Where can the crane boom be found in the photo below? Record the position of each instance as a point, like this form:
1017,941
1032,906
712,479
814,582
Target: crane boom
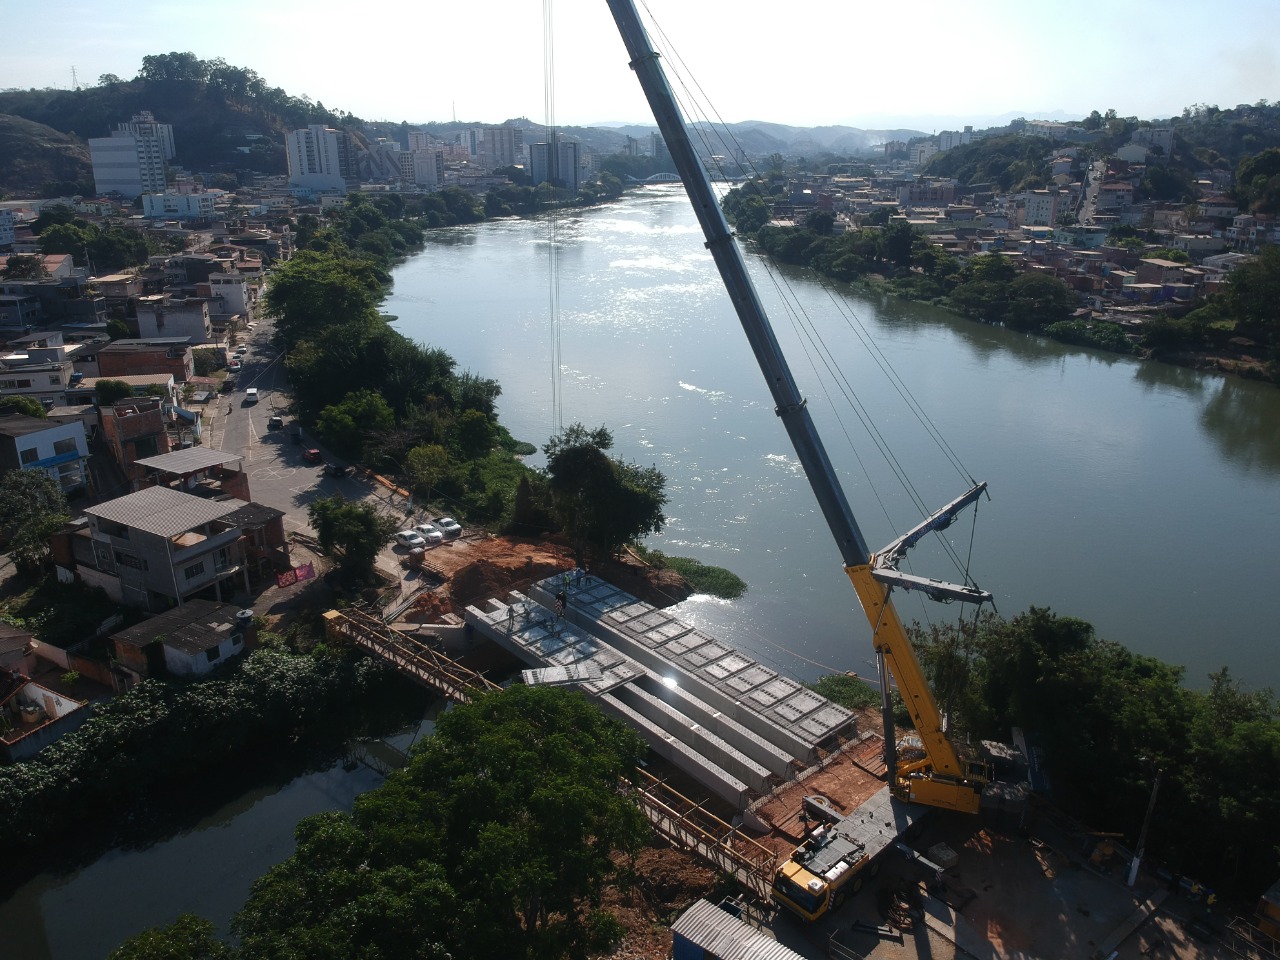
941,779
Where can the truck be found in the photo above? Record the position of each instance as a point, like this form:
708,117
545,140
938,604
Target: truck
837,856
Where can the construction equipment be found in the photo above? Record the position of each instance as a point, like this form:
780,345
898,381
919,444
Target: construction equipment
821,872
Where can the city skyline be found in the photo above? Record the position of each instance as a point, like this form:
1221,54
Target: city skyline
944,66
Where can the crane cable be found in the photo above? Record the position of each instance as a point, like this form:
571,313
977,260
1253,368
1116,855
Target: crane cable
553,220
811,339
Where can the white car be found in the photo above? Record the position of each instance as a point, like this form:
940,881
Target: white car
409,538
448,526
429,532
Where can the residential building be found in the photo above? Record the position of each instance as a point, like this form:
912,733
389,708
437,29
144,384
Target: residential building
197,470
1041,207
428,168
420,140
158,547
189,640
164,316
558,166
7,223
32,716
498,148
59,449
134,430
197,206
949,139
320,158
144,124
232,291
39,367
122,358
921,151
131,161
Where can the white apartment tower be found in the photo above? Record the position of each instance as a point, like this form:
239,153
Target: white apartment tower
319,158
144,124
127,163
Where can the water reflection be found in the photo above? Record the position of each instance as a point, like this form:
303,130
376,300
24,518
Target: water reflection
1243,421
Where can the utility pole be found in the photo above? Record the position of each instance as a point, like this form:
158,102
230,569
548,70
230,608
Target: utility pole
1146,825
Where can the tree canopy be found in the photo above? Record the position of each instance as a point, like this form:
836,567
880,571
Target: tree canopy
353,531
601,502
32,509
495,841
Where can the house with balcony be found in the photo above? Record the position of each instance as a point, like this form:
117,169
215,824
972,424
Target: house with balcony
58,449
159,547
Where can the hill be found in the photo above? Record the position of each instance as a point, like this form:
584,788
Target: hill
36,159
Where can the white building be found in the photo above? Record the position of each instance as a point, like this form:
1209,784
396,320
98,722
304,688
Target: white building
58,449
127,163
144,124
922,150
319,158
948,139
193,205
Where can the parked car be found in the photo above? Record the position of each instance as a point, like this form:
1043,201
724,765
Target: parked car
233,365
228,384
275,423
336,469
429,532
407,538
241,350
311,455
449,526
251,395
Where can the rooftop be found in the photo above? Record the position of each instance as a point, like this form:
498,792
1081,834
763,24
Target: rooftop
194,627
20,425
162,511
189,460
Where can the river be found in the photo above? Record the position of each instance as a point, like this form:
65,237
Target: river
1143,498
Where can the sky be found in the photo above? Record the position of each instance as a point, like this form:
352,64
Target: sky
928,66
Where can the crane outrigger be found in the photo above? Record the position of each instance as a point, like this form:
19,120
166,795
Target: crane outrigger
941,776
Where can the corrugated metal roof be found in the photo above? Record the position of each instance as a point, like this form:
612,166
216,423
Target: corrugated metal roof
162,511
188,461
725,936
192,628
559,676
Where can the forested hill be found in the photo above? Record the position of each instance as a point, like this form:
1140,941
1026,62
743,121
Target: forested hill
33,156
218,111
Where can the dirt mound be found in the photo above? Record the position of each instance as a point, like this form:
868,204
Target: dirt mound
476,569
672,879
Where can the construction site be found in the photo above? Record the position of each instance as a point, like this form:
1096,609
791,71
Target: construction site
749,769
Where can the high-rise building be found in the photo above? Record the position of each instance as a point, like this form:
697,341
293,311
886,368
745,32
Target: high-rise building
144,124
558,166
498,149
419,140
130,162
319,158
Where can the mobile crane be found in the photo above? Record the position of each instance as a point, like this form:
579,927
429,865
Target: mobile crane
837,855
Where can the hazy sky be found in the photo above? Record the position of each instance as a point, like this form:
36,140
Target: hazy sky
925,64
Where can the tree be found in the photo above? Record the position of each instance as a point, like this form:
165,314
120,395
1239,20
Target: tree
188,938
108,80
494,842
24,267
16,403
352,531
314,291
107,392
426,465
32,509
348,425
1036,300
118,329
601,503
